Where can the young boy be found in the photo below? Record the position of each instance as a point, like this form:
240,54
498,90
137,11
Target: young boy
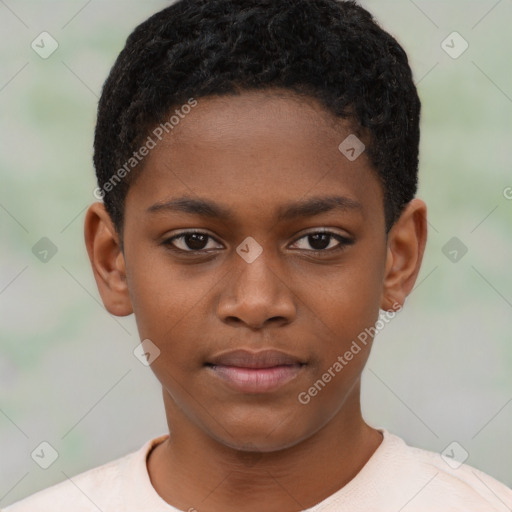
257,161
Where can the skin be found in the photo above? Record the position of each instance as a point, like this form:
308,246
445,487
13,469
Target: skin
254,153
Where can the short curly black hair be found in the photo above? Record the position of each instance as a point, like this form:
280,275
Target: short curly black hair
331,50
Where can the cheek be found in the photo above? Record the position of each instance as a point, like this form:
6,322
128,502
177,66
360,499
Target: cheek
171,309
349,301
346,307
161,295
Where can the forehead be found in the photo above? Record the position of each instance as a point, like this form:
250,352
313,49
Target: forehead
254,109
256,149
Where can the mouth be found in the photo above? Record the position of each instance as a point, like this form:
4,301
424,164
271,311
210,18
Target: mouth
255,372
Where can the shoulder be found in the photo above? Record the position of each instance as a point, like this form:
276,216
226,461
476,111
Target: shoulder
442,483
100,488
81,493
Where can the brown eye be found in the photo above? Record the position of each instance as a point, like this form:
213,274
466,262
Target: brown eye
190,241
324,242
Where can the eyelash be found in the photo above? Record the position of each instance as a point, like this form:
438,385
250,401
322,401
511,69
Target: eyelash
343,242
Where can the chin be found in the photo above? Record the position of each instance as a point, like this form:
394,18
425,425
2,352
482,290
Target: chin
263,439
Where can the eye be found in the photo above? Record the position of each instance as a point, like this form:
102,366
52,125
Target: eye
198,241
321,242
190,241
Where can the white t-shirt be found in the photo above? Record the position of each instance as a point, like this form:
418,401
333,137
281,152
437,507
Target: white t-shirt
396,478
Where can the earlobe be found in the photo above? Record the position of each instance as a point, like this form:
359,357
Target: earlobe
406,246
107,260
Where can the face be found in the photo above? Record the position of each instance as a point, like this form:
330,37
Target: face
255,254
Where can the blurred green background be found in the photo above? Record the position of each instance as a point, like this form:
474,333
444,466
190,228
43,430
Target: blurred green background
439,372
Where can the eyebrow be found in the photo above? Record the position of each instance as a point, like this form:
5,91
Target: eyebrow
300,209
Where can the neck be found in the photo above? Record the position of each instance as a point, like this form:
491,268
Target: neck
191,470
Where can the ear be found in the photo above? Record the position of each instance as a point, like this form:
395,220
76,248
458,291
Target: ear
107,260
406,245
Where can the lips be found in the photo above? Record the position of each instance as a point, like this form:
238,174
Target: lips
255,372
262,359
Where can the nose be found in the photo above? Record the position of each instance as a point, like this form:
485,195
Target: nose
257,294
